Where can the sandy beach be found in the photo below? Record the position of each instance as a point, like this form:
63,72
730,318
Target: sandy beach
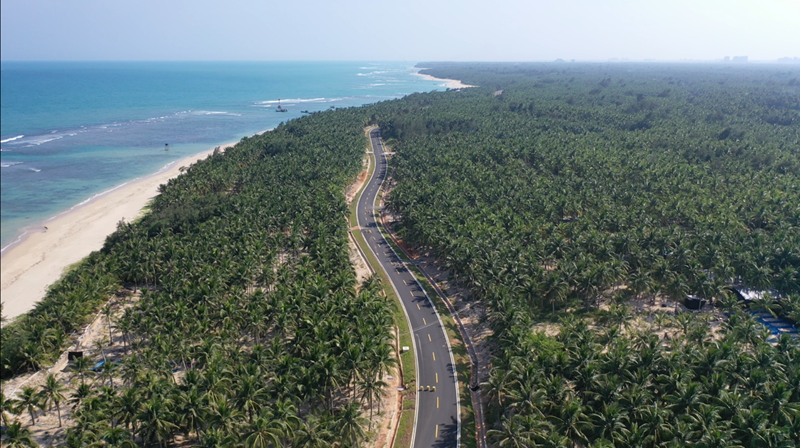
449,83
29,267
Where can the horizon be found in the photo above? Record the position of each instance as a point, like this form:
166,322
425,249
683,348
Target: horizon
684,30
748,60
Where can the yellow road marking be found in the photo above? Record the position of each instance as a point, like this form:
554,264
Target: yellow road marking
418,307
437,431
437,404
424,321
404,282
429,338
412,293
434,356
437,377
373,238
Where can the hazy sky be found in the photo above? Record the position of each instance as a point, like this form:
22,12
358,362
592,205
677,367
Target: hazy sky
417,30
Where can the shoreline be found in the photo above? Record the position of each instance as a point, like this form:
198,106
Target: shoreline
38,257
449,83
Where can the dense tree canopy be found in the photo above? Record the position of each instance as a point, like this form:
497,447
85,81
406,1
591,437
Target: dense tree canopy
556,186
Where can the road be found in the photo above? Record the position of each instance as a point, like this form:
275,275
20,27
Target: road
437,422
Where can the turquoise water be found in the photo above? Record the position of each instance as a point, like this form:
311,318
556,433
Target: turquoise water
71,130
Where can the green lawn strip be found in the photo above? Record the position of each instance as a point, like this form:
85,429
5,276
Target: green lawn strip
404,428
396,248
460,356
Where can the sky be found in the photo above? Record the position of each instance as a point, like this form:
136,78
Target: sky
407,30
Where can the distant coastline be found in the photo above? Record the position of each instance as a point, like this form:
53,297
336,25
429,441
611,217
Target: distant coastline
38,257
449,83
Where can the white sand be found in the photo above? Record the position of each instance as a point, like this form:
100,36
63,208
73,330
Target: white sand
449,83
31,266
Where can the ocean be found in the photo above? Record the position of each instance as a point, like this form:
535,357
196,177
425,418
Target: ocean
72,130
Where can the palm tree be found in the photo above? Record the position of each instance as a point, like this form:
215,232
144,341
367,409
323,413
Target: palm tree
5,405
53,393
513,434
574,422
117,437
79,395
29,400
127,407
350,425
156,420
266,432
611,419
191,407
80,366
15,436
499,382
312,434
371,389
222,415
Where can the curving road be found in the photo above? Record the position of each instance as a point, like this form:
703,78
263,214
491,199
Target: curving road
437,422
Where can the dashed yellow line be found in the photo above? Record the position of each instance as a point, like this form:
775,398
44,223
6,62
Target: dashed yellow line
429,338
434,356
437,377
424,321
418,307
437,431
437,407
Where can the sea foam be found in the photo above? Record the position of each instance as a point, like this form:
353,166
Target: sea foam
12,139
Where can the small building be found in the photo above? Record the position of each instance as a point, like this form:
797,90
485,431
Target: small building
694,302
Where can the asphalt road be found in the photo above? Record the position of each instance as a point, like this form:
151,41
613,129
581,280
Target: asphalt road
437,420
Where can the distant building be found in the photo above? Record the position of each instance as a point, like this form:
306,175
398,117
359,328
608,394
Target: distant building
726,59
739,59
789,60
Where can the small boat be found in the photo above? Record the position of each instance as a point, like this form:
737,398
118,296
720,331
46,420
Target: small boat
280,108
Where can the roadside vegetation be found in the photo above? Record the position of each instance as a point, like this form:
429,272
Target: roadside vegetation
559,193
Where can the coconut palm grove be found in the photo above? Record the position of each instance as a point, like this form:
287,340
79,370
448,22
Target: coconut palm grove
579,204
